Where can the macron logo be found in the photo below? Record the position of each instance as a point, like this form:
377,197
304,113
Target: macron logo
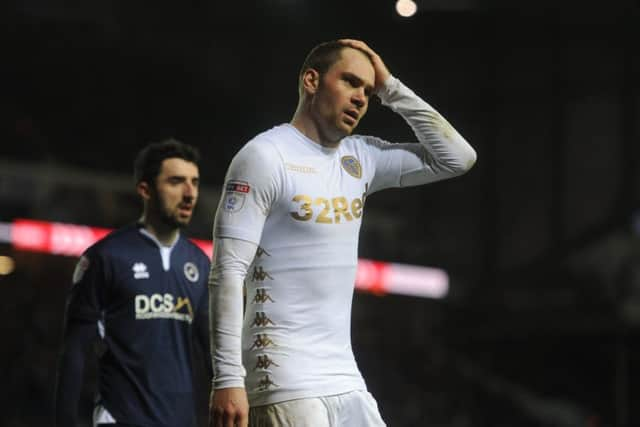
140,271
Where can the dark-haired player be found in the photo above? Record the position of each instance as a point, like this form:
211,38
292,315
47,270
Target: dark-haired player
140,296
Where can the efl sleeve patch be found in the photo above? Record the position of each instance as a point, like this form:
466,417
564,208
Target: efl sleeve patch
238,187
235,195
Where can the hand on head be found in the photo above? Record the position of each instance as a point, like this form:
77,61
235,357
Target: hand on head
381,70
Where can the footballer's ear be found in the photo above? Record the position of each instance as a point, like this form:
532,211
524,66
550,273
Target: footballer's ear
310,81
144,190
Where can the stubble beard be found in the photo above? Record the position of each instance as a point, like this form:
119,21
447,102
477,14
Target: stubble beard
170,218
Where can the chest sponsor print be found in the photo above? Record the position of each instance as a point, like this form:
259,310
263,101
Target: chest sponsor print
322,210
163,306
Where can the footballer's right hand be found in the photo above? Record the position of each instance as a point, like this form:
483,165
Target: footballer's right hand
229,407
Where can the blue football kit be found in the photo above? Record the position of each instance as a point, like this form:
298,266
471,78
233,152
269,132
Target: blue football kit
143,303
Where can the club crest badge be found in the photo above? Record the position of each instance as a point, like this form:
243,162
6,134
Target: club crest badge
191,272
352,166
235,195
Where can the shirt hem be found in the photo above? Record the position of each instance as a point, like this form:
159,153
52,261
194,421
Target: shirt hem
284,396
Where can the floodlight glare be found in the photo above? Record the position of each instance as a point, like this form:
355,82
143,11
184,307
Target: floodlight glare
406,8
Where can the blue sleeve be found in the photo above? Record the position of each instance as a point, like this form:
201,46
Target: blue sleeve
80,331
202,322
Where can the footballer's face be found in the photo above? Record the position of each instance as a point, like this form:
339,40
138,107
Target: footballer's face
342,96
175,193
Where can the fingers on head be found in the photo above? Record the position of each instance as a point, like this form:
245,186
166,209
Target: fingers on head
354,43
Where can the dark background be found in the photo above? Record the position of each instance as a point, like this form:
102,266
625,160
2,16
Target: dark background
540,237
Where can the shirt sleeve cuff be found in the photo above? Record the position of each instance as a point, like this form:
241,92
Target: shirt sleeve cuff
230,383
387,89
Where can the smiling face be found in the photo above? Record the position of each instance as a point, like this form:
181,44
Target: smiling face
341,97
173,196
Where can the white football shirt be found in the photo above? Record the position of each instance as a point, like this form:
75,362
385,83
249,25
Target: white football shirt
302,204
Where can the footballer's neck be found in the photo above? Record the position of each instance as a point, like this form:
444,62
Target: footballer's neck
165,234
310,127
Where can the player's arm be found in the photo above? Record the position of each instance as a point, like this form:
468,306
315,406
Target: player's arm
201,327
80,332
229,405
250,189
78,336
441,153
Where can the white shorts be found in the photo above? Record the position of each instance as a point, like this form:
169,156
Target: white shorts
353,409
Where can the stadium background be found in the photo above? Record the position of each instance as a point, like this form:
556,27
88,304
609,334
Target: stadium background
541,239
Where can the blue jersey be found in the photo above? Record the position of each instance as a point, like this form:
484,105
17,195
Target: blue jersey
144,302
